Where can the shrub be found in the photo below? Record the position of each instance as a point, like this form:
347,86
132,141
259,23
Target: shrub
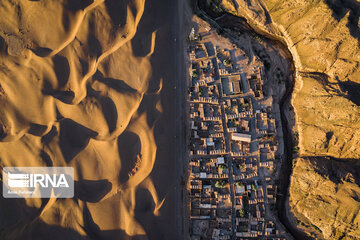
220,184
222,166
194,74
242,212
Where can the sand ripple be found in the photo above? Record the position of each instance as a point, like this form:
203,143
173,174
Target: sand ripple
75,92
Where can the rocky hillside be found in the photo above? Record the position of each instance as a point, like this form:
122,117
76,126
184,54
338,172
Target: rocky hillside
323,37
325,197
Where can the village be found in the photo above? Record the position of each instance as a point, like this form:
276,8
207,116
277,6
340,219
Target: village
233,145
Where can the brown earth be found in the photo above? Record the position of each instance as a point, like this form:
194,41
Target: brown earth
324,193
323,37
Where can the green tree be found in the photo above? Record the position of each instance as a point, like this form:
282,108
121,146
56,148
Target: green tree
227,62
239,184
222,166
241,166
194,73
220,184
241,212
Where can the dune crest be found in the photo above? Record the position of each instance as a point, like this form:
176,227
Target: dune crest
77,88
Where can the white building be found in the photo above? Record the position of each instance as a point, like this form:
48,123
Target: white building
241,137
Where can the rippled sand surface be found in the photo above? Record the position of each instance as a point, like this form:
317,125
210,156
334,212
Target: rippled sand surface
90,84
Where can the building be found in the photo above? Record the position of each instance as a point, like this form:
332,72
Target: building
241,137
231,84
210,142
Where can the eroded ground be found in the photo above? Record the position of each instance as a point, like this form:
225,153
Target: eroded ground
323,37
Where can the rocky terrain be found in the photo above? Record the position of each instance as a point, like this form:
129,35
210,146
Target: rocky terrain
323,38
324,196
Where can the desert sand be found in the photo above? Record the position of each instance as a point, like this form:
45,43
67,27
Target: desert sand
93,85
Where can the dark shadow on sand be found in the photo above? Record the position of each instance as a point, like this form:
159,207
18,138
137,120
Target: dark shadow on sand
73,138
91,190
116,84
117,11
129,145
94,232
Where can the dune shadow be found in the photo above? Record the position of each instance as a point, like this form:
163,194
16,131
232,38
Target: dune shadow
13,210
144,214
64,96
149,100
108,107
116,84
129,145
117,11
46,158
62,70
94,231
20,222
141,42
42,51
76,5
62,73
37,129
42,231
39,230
65,21
73,138
46,139
94,46
110,112
92,190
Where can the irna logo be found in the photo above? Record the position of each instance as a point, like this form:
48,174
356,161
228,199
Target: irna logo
38,182
16,180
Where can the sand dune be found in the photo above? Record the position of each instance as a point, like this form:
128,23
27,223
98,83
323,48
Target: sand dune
86,84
